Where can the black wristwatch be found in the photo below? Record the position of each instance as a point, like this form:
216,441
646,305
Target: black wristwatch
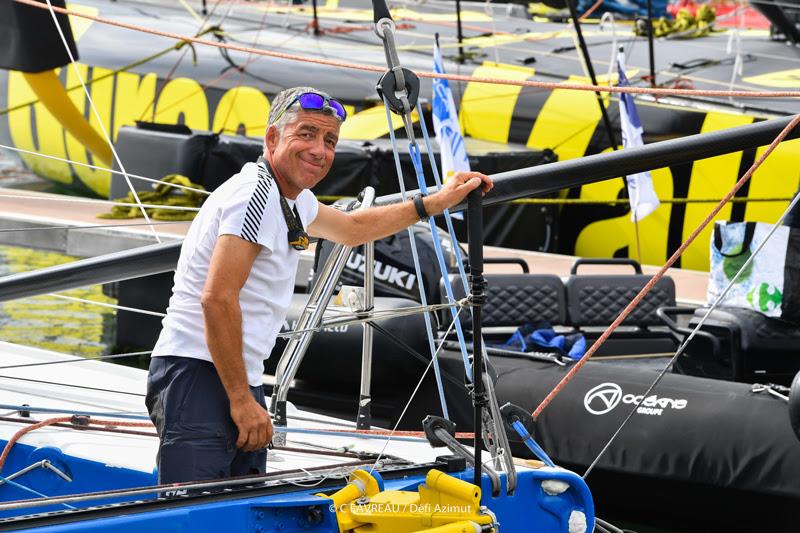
419,205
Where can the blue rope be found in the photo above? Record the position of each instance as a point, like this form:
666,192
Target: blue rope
30,490
416,158
531,444
447,218
423,298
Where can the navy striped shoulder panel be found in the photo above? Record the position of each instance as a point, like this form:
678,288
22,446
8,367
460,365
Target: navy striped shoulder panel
256,207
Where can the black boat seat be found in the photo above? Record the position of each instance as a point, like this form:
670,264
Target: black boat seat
597,299
514,299
748,347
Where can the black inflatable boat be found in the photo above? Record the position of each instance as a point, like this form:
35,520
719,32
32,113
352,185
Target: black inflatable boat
707,447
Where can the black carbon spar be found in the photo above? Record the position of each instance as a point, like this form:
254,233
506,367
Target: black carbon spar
522,183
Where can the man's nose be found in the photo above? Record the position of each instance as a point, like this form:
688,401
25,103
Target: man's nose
318,148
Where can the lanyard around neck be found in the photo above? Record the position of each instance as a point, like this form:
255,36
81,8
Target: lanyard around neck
297,236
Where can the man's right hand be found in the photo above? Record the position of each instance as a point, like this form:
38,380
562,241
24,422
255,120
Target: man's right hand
253,422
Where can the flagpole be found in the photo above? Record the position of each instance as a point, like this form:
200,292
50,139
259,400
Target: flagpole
650,43
590,69
460,32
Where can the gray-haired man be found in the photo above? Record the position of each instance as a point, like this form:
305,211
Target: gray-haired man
233,285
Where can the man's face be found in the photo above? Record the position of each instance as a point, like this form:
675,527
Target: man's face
303,153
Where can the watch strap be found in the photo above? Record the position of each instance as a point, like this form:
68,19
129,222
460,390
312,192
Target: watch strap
419,205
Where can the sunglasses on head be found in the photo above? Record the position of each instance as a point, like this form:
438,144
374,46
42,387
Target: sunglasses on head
315,102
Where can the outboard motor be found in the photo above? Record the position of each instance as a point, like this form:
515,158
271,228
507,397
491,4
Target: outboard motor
794,405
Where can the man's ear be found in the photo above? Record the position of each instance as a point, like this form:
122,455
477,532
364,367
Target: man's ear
271,138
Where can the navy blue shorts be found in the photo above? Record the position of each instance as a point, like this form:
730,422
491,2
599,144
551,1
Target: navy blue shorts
190,409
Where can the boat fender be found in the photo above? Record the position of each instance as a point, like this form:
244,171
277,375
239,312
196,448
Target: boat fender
794,405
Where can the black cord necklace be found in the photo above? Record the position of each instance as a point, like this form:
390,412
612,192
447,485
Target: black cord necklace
297,236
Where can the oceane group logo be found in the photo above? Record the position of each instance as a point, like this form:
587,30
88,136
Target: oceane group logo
602,398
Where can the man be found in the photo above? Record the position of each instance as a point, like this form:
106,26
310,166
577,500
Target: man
234,282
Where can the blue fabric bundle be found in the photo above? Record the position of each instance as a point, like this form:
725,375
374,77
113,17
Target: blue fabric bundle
540,336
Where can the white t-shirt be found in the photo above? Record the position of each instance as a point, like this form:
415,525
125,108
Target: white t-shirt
248,206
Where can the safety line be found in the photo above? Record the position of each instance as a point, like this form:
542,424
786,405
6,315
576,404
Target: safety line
693,333
111,306
121,414
94,201
77,359
95,167
99,120
452,77
650,284
60,419
72,385
95,226
25,488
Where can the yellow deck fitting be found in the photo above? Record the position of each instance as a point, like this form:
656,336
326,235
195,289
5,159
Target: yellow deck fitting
444,504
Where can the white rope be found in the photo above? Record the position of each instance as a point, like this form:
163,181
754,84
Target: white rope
99,120
608,18
111,306
694,331
104,202
71,162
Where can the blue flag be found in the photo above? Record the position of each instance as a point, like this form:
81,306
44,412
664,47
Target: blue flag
643,196
445,123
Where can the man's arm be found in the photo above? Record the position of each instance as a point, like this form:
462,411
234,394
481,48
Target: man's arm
358,227
230,265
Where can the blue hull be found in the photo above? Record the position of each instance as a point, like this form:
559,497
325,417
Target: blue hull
276,506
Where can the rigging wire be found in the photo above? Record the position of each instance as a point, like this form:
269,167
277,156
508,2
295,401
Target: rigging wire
418,270
73,386
95,167
95,226
110,306
71,199
414,392
693,333
77,359
100,120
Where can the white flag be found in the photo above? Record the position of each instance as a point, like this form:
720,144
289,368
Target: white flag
643,196
445,123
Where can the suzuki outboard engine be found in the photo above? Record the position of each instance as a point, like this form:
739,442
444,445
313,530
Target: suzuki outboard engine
394,264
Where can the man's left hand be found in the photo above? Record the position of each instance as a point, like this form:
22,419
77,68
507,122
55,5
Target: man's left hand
457,187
